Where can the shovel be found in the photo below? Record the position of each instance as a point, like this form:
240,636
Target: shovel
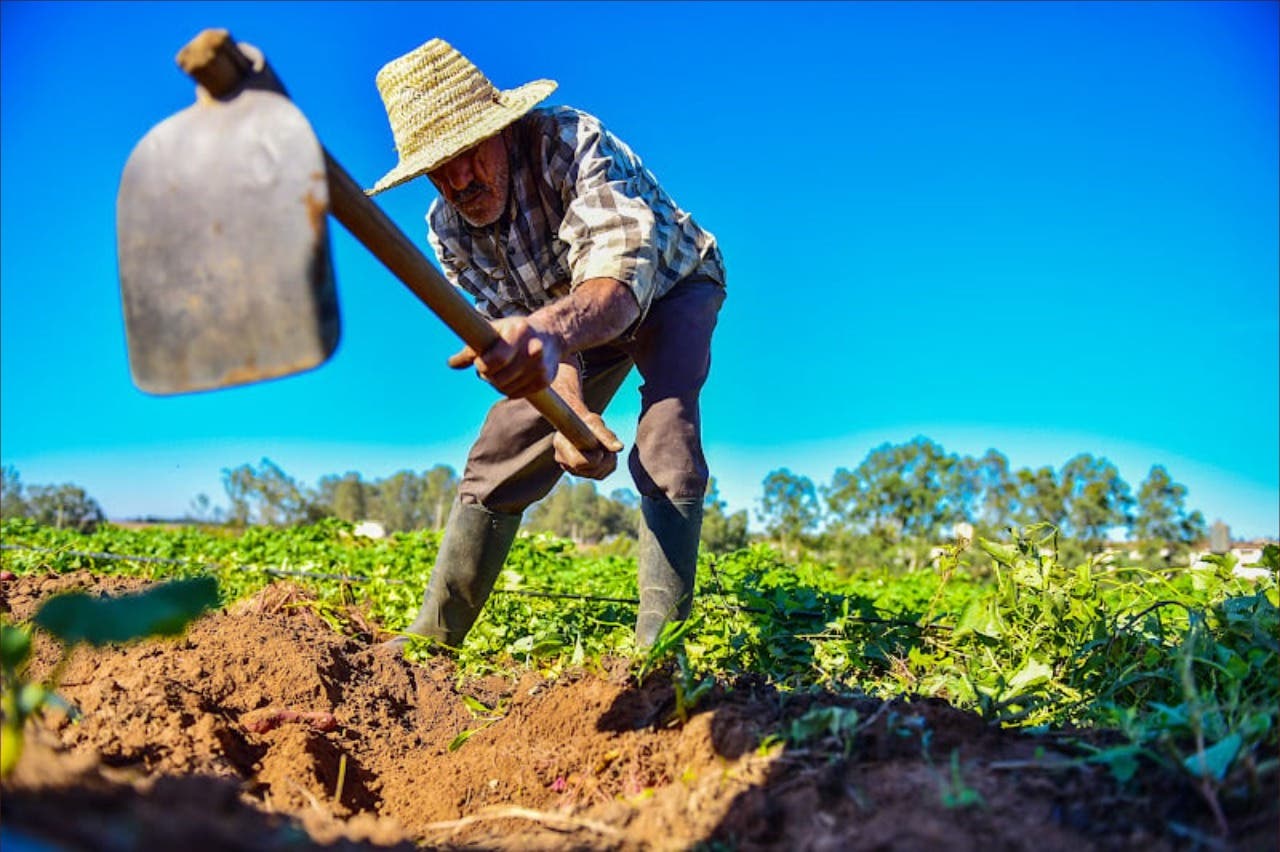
223,242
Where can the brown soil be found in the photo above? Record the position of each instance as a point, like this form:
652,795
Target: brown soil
165,756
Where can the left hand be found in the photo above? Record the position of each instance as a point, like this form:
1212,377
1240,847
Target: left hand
593,464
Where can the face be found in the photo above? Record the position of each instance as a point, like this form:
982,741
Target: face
475,182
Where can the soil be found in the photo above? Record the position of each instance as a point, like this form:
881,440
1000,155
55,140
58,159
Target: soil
263,729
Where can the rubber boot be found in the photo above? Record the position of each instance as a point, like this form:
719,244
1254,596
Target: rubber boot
475,545
668,560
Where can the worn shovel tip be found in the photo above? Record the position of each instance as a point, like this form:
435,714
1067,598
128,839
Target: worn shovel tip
166,384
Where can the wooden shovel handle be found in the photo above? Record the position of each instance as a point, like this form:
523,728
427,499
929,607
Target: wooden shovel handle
218,64
371,226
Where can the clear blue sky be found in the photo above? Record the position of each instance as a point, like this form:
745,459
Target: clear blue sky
1048,228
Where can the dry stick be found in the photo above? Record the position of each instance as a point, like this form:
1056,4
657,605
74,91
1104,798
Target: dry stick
1049,765
304,791
555,822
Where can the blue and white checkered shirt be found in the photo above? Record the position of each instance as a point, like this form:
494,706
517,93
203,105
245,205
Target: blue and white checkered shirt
582,206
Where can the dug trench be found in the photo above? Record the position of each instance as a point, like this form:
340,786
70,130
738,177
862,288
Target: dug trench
264,729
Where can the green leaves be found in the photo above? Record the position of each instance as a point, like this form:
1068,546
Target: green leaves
163,610
488,716
15,647
1032,674
839,723
1038,639
983,618
1214,761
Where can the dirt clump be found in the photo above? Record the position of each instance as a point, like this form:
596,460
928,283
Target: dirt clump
263,729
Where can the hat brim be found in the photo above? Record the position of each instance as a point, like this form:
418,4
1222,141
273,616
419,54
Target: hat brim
510,106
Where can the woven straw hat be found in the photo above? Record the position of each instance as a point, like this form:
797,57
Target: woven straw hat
439,105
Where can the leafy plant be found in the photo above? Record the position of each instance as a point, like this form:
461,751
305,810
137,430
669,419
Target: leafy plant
1183,664
486,714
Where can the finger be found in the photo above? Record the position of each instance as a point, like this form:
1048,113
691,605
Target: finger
571,458
496,357
462,359
514,385
608,463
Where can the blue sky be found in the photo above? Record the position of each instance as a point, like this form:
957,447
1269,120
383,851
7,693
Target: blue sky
1048,228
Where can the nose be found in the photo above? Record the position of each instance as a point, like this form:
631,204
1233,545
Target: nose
457,173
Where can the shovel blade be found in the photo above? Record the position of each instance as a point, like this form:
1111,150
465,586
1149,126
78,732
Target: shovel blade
223,247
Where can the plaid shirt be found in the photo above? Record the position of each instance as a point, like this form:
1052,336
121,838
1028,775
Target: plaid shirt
581,206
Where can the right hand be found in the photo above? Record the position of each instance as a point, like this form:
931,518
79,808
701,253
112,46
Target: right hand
592,464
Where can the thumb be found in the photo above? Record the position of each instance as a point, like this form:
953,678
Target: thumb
463,358
604,433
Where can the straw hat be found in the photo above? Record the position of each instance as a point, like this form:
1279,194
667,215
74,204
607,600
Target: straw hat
439,105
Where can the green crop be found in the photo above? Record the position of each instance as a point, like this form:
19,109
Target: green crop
1182,662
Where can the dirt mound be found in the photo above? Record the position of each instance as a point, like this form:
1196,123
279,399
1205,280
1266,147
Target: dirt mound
263,729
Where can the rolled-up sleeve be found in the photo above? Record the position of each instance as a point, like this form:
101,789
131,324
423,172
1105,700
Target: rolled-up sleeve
609,225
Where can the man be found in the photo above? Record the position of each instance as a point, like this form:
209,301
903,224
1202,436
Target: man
586,267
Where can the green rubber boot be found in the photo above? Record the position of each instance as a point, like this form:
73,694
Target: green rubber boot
668,561
475,545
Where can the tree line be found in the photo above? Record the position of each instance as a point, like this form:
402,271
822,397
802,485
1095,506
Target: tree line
905,498
408,500
901,501
65,506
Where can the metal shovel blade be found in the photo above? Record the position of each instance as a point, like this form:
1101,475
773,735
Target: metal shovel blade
223,247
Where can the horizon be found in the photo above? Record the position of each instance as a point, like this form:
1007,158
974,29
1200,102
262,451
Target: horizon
1046,229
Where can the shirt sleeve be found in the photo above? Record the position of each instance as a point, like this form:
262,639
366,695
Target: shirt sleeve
609,226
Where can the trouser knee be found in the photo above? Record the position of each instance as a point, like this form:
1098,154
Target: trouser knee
667,461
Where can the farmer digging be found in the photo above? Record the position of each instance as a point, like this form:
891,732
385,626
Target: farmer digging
586,268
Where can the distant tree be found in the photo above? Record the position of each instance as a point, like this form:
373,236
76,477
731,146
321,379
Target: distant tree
721,533
1097,500
574,509
345,496
64,507
627,507
994,490
12,505
403,501
789,507
1161,523
440,483
1040,498
202,510
238,485
399,501
267,495
907,491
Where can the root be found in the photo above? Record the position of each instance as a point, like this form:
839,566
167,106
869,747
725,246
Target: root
553,821
271,720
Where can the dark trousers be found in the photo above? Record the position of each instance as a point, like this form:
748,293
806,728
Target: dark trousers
512,463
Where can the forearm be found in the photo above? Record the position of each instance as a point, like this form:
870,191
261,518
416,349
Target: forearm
596,312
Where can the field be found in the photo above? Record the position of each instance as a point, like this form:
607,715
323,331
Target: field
995,700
